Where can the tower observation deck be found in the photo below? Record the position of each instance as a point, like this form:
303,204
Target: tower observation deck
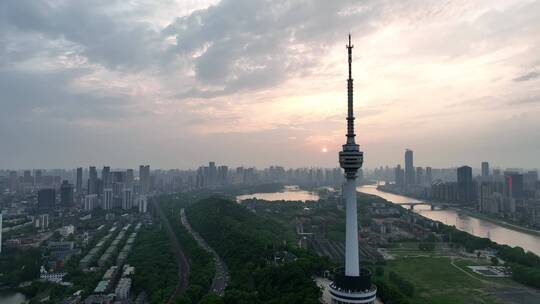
353,285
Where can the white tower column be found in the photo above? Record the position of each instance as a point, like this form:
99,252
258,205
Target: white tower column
352,266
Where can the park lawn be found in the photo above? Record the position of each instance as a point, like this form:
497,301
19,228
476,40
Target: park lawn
438,282
410,249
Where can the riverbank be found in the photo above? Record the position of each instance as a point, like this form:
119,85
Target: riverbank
498,221
476,215
474,225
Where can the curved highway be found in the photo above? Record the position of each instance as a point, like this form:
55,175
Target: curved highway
221,277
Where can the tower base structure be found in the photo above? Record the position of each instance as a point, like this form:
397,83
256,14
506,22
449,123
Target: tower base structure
358,289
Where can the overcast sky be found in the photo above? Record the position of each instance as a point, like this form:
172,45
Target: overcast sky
244,82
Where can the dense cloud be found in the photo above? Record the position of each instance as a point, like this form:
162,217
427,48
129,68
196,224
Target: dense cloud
246,44
155,78
96,31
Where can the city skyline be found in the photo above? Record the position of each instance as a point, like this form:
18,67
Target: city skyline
477,167
457,82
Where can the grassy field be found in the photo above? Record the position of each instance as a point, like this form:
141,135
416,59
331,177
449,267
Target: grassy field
411,250
437,281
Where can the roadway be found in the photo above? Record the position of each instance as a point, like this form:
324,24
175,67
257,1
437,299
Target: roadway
221,277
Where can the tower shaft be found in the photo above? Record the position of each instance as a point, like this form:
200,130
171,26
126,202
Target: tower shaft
352,263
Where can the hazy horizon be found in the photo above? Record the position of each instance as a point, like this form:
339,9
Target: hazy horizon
176,84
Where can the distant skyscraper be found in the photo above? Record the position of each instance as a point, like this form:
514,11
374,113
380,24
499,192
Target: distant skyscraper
129,177
223,173
399,176
27,177
212,174
465,185
409,167
37,177
78,184
530,180
429,175
92,180
514,184
354,285
106,176
46,199
13,180
66,194
419,175
485,169
144,178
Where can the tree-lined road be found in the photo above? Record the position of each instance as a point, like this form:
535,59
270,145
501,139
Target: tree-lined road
183,264
221,277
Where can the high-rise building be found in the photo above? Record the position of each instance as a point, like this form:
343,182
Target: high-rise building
429,176
46,198
530,180
485,169
41,221
129,177
38,177
419,175
354,284
90,202
144,178
106,177
399,175
66,194
489,196
118,192
78,184
465,185
92,180
127,202
409,167
142,204
13,180
108,199
212,174
223,175
27,177
514,184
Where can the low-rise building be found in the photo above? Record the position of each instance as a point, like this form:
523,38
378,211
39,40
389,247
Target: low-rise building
123,288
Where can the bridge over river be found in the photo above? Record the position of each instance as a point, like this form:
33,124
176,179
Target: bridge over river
432,205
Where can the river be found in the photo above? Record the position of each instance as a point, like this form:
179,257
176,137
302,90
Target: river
289,193
472,225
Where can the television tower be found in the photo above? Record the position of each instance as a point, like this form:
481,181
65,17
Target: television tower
354,284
